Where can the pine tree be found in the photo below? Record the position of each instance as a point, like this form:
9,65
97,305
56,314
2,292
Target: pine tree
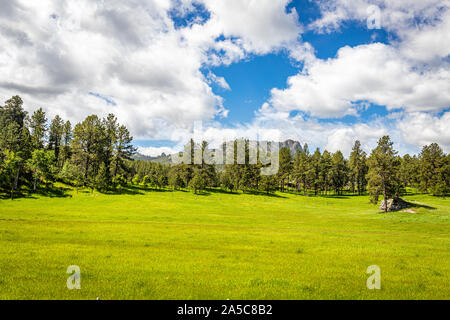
383,171
325,170
123,149
432,171
55,136
285,167
86,144
314,170
38,126
302,166
67,138
358,167
338,172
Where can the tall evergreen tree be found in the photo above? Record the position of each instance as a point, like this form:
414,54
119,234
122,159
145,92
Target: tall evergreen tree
383,171
325,170
338,171
302,166
358,167
285,167
55,136
123,149
314,170
432,170
86,144
38,126
67,138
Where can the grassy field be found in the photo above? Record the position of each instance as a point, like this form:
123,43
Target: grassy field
177,245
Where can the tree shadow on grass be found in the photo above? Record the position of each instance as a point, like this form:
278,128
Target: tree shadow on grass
135,190
202,194
53,192
123,191
335,196
262,193
50,192
251,192
419,205
218,190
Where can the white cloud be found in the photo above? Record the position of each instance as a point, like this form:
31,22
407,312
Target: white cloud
157,151
375,73
343,138
427,43
53,53
396,15
419,129
220,81
262,25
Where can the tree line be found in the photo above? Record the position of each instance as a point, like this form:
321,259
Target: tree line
97,153
35,153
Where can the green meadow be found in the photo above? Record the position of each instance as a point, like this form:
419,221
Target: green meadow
145,244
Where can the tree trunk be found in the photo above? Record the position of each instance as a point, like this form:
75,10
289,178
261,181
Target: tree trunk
384,195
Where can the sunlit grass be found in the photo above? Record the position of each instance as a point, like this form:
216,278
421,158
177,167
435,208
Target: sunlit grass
176,245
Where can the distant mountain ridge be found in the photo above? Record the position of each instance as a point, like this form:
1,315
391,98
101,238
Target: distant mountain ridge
292,145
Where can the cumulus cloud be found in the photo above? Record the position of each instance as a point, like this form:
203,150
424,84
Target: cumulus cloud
55,53
262,25
375,73
419,129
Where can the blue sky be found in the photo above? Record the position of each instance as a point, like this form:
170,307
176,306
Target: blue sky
252,79
323,72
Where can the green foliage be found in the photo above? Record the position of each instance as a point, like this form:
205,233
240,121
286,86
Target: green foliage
38,128
302,166
268,184
325,170
285,166
41,165
71,174
198,181
434,170
56,133
383,172
103,180
313,174
227,180
136,179
358,168
338,172
175,178
10,171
